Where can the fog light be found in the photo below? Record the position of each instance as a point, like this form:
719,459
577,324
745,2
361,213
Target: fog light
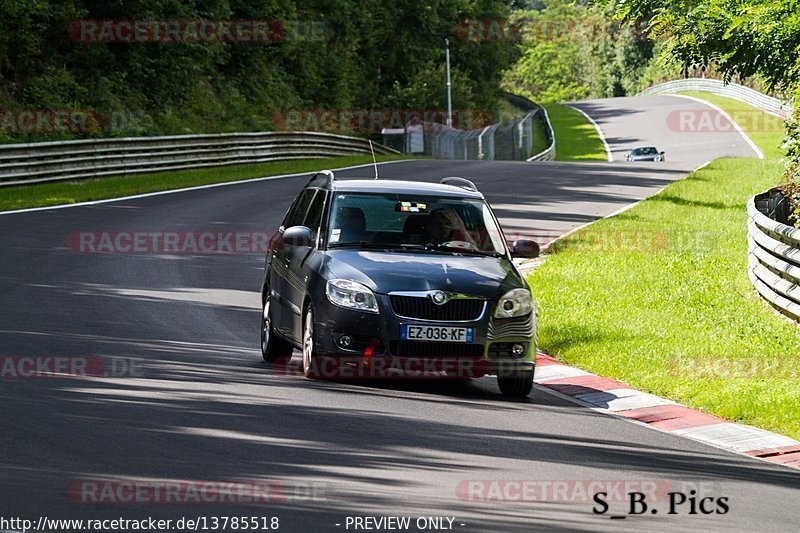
345,341
517,350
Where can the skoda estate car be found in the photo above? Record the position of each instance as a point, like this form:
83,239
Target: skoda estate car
380,277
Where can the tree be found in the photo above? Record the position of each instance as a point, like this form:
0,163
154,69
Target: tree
573,51
744,37
366,54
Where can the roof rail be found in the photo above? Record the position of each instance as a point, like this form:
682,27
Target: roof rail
323,179
459,182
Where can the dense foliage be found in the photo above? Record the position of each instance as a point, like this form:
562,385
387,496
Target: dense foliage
322,54
572,51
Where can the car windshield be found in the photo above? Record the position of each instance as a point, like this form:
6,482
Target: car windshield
409,221
650,150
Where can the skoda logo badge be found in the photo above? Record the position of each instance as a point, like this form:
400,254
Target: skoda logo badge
438,297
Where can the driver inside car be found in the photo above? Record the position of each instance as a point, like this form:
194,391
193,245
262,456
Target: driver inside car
445,226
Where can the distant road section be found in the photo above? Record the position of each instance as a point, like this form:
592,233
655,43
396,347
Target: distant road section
690,132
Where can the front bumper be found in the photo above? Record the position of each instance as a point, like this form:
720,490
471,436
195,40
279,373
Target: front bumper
379,351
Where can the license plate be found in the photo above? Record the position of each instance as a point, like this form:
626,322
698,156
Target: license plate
435,333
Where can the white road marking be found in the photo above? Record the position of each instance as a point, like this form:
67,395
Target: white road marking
623,399
599,132
736,126
548,372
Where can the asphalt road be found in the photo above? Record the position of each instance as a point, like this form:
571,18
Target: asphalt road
203,407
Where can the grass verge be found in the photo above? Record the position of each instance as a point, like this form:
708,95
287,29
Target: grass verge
659,298
69,192
576,137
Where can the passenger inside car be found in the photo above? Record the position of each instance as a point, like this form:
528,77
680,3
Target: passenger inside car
350,224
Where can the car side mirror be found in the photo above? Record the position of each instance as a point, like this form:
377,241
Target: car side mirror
297,236
662,153
525,248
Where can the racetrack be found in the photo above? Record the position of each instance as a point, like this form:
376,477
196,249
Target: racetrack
204,406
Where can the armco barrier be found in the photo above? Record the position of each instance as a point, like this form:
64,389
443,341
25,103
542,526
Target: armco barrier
69,160
731,90
549,153
774,259
510,140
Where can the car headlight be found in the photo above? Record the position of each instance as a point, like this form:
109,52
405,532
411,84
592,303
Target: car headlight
516,302
352,295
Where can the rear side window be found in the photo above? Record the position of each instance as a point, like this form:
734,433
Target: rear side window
297,213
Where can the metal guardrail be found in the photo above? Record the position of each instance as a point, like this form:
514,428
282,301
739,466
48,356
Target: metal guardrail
773,259
731,90
68,160
511,140
549,153
508,140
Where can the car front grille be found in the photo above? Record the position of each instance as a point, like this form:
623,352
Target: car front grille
455,310
511,327
435,349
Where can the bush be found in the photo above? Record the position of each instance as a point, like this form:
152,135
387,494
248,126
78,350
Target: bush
791,179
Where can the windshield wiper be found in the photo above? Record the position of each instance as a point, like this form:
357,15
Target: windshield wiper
458,249
378,246
400,246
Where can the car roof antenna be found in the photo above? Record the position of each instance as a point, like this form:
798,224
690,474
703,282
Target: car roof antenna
374,162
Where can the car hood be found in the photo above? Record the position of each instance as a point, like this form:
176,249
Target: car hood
384,272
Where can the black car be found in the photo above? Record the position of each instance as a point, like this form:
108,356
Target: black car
645,153
385,278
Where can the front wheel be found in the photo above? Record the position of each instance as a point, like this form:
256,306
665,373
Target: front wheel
517,385
272,347
310,362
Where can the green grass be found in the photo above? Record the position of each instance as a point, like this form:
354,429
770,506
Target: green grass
69,192
540,142
576,137
659,298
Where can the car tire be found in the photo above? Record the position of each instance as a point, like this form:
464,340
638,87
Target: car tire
517,385
273,348
310,360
